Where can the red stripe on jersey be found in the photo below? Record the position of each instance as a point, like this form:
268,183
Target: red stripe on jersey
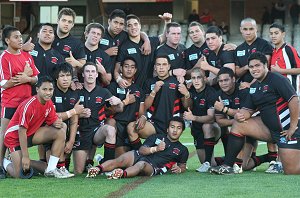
101,114
176,101
151,109
279,100
169,165
175,109
280,105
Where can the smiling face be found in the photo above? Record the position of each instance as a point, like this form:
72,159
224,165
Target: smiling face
257,69
45,92
94,36
133,27
226,82
276,36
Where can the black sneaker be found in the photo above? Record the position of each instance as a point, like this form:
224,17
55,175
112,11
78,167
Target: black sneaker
2,173
222,170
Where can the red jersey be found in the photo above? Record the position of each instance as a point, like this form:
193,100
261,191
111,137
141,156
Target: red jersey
287,58
30,114
10,66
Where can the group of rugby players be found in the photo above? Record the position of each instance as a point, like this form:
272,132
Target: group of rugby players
117,87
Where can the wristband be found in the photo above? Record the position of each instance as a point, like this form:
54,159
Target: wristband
223,109
68,114
74,111
118,79
153,149
152,94
188,96
227,110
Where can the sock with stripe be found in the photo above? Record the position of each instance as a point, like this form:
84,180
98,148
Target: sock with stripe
136,144
235,145
209,145
109,151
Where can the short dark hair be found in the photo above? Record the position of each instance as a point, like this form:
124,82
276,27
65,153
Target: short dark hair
178,119
132,16
163,56
195,23
117,13
258,56
94,25
226,70
89,63
279,26
6,32
45,24
67,12
172,24
43,79
214,29
129,58
63,67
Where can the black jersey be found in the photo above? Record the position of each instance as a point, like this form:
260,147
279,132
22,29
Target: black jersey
64,101
94,100
174,151
144,63
223,57
101,56
244,50
167,101
69,44
176,56
271,97
193,54
130,112
202,101
234,100
46,60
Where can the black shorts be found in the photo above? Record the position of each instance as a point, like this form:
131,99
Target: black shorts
291,144
158,128
7,112
85,140
18,148
122,135
198,135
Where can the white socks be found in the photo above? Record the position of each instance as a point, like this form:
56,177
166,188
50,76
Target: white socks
6,162
52,163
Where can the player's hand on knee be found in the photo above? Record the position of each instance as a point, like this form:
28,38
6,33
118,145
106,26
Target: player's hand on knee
141,122
176,169
25,163
58,123
93,172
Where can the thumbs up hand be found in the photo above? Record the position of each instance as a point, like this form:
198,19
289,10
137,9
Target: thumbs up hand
28,46
162,145
72,61
188,115
219,105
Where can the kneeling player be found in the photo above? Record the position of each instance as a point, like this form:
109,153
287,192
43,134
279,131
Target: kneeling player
158,153
24,130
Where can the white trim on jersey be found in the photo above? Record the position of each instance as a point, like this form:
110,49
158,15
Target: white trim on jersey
11,129
25,109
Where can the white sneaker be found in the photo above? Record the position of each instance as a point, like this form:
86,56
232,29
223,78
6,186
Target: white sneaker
237,169
203,168
65,172
98,158
271,167
277,168
55,173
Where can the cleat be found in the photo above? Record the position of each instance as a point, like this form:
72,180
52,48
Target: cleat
93,172
222,170
65,172
277,168
87,167
116,174
55,173
237,169
204,168
271,167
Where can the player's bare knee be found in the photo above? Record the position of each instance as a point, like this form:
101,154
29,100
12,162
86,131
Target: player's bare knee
110,131
130,128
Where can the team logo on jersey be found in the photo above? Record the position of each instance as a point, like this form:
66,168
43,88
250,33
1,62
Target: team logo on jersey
67,48
237,101
172,86
193,57
54,60
265,88
152,87
176,151
253,50
121,90
252,90
131,51
72,101
34,53
99,59
104,42
171,56
137,94
226,102
213,63
240,53
98,99
202,102
58,99
205,52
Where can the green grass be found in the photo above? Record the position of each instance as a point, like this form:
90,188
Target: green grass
189,184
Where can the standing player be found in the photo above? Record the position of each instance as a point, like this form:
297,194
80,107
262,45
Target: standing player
159,153
93,34
131,48
252,44
174,50
67,45
45,57
278,120
285,59
217,56
92,129
25,130
133,100
163,100
202,114
17,74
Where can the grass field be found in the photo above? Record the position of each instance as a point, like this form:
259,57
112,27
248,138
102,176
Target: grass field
189,184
